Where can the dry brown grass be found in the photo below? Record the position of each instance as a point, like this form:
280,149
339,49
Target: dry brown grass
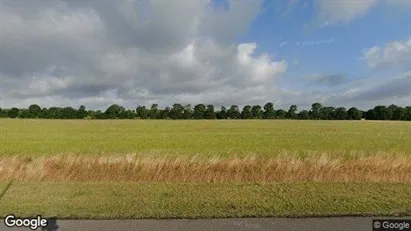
323,168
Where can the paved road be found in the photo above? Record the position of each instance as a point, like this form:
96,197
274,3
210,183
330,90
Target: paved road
289,224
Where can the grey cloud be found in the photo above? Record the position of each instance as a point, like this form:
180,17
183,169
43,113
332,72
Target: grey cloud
397,91
397,88
328,80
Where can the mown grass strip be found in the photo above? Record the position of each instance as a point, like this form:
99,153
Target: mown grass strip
160,200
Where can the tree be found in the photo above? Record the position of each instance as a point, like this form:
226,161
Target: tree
165,114
304,115
153,113
199,111
209,112
141,112
246,113
100,115
127,114
341,113
292,112
382,112
354,114
234,112
82,112
222,114
280,114
44,114
327,113
370,115
399,114
188,112
24,114
390,110
315,112
257,112
269,112
13,113
407,115
3,113
176,111
114,111
34,110
68,113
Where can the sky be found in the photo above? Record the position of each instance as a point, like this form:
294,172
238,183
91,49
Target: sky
348,53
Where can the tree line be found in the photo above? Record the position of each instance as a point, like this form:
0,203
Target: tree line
202,111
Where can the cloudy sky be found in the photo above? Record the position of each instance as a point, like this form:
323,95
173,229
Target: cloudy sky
222,52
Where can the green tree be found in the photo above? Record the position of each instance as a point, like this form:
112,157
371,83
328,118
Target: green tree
246,112
34,110
154,112
382,112
315,112
269,112
304,115
82,112
3,113
113,111
257,111
327,113
233,112
165,113
68,113
341,113
222,114
209,112
370,115
100,115
141,112
280,114
44,114
127,114
13,113
390,111
188,112
407,115
199,111
24,114
177,111
292,112
354,114
398,114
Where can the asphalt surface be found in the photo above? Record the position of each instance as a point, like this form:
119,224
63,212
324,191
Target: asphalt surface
317,224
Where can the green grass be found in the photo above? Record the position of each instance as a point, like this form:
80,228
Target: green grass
50,137
124,200
149,200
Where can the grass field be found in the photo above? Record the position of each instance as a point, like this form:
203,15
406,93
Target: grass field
226,138
162,169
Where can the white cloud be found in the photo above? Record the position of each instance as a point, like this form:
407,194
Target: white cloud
100,52
345,11
393,54
96,53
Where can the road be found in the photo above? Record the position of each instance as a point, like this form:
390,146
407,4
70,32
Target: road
318,224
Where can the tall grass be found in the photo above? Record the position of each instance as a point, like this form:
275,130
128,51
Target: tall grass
384,167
